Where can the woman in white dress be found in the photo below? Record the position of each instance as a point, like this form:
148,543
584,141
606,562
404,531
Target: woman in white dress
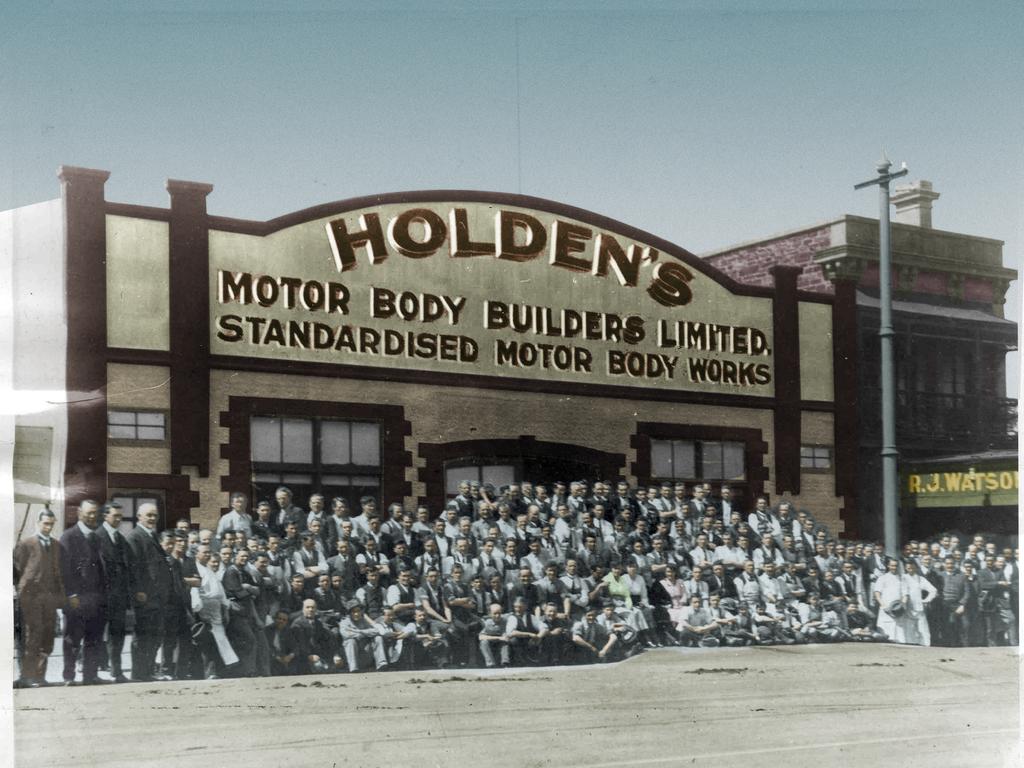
920,592
891,590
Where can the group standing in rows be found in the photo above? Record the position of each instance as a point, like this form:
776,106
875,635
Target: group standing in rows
523,575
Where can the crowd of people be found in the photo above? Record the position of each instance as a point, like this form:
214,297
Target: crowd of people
523,575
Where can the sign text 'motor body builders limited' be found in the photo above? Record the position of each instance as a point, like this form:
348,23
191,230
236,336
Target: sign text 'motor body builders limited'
482,289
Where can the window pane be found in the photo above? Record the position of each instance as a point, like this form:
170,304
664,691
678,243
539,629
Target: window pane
452,478
684,459
366,444
151,433
498,475
297,438
294,479
121,417
712,465
733,461
265,436
151,419
661,458
267,477
334,445
119,431
127,505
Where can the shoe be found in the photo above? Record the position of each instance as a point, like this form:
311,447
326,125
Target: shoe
96,681
163,678
68,683
119,678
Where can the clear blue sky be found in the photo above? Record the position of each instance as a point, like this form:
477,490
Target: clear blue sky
705,123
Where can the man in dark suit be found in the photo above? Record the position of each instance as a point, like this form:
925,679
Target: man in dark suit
112,549
287,512
85,584
242,591
150,584
316,649
37,577
176,645
281,644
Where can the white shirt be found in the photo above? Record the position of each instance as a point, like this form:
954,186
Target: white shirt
238,522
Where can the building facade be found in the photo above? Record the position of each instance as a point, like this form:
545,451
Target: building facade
396,344
950,350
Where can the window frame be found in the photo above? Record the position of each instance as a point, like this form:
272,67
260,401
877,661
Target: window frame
698,460
137,495
817,447
316,469
139,441
478,463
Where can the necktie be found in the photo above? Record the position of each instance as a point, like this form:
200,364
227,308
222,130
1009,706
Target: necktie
45,543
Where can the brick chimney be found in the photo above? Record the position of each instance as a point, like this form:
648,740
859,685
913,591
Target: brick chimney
914,203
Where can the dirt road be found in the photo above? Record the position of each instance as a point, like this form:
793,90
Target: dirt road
817,706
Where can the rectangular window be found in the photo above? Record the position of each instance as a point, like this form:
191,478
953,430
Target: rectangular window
690,460
137,425
131,500
816,457
337,458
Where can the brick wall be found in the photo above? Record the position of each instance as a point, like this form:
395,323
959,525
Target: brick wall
449,414
750,264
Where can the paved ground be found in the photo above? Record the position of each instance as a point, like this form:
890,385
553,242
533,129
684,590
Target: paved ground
817,706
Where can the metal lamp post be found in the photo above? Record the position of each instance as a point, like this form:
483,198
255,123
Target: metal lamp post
890,499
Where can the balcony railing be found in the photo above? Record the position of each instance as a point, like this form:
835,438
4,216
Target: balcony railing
963,421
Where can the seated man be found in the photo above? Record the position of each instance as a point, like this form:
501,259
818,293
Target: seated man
523,631
742,630
769,628
699,627
395,633
316,648
492,635
429,646
615,624
281,643
555,636
361,638
860,625
593,642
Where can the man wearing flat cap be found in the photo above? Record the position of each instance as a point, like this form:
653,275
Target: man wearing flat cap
361,639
